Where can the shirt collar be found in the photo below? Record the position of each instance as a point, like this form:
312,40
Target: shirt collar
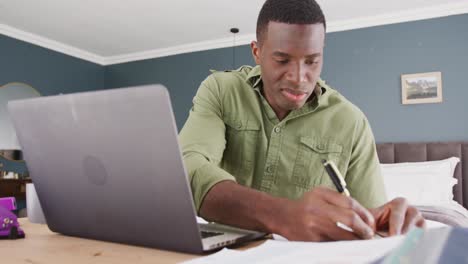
254,77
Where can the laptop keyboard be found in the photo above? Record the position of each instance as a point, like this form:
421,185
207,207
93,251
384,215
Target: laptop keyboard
206,234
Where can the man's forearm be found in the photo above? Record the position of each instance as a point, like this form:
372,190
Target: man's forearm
230,203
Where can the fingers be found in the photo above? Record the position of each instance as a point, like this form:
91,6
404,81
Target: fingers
398,208
343,201
352,220
334,232
345,210
397,217
413,218
421,223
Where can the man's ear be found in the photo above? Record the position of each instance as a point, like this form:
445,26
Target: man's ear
255,51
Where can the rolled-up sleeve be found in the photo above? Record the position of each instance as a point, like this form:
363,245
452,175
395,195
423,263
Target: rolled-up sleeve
203,141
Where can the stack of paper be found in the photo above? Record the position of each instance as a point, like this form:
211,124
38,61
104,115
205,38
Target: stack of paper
282,251
273,251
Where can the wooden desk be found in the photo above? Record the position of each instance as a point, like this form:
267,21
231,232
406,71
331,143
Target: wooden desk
43,246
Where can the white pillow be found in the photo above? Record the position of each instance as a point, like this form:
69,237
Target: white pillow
422,183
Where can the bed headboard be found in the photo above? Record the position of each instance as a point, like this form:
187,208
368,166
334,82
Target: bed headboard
427,151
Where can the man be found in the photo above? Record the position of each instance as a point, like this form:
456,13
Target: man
255,138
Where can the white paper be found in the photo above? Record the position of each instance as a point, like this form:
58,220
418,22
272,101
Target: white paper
326,252
434,224
201,220
219,257
275,251
279,250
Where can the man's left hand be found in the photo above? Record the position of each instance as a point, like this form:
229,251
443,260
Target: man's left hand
397,217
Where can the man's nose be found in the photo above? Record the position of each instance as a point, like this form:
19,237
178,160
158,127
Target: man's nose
297,73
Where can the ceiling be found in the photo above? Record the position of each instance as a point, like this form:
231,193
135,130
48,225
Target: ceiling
115,31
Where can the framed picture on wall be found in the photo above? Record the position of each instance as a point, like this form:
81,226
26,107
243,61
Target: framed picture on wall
421,88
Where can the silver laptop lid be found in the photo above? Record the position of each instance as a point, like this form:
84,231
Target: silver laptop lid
107,166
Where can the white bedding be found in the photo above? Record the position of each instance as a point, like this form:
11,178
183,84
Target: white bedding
451,213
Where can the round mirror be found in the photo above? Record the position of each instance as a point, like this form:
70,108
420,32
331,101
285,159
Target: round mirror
8,92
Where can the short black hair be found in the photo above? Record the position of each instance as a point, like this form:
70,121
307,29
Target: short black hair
290,12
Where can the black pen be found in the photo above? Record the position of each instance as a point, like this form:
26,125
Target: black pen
336,177
340,185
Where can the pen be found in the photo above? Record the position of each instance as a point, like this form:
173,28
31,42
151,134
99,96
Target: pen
336,177
340,185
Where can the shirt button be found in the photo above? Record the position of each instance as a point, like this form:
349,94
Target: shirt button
277,129
269,169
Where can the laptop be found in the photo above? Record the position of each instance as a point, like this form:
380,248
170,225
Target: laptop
107,165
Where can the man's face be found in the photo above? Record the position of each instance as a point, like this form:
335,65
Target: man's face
290,57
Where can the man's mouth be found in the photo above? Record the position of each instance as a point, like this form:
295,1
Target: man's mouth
293,95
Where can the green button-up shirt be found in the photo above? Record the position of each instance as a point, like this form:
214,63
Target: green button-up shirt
232,133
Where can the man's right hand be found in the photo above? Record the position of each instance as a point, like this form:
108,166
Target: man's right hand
314,217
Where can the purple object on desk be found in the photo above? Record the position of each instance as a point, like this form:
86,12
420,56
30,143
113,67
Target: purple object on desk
9,226
8,202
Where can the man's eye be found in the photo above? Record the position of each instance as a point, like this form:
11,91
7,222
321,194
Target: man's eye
282,61
310,62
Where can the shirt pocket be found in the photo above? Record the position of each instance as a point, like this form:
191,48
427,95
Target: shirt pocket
308,168
241,145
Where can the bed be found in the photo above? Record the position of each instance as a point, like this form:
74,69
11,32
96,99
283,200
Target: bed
454,213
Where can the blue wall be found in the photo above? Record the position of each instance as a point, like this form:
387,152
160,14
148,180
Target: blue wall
364,64
48,71
181,74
